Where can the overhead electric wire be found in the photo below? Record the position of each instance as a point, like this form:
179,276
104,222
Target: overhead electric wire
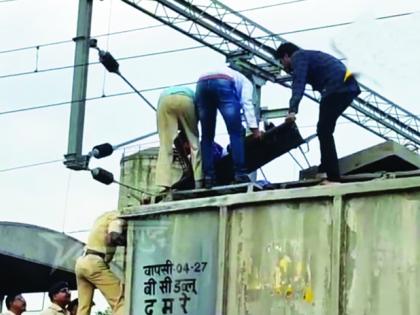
106,96
130,57
179,49
169,51
122,146
268,6
78,231
134,29
35,46
66,202
316,28
146,55
107,46
253,9
163,25
91,98
116,95
29,165
128,144
71,40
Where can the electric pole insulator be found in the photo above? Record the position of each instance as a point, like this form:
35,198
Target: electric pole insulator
102,150
109,61
102,176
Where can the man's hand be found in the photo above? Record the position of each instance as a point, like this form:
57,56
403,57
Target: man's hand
291,118
256,133
116,239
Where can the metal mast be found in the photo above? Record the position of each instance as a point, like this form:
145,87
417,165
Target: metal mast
74,158
251,46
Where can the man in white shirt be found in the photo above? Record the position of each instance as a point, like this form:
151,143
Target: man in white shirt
229,91
15,304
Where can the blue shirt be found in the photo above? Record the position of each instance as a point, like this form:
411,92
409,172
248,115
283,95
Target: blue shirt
324,72
179,90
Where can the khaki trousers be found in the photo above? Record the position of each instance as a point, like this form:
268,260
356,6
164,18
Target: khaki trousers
171,110
92,272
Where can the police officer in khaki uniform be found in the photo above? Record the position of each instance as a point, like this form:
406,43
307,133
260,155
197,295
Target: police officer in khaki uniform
60,296
176,111
92,269
15,303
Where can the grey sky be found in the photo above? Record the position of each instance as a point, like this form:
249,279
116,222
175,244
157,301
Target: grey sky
385,52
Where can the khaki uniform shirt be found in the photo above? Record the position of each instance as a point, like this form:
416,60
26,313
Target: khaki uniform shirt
55,309
106,223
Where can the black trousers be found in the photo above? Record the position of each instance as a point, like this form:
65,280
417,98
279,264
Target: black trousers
331,107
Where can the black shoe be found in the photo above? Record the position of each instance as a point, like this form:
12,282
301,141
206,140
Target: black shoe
185,183
209,182
241,179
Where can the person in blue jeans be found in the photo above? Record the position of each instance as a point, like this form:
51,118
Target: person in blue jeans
229,92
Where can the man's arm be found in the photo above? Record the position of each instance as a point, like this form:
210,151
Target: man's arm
299,75
116,239
248,107
116,234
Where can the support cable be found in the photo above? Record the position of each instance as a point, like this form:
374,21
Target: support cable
107,178
134,29
166,51
106,149
107,44
296,161
137,91
304,156
116,147
263,174
37,59
66,202
91,99
163,52
29,165
112,65
315,28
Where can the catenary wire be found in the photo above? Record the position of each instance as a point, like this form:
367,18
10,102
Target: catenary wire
132,30
163,25
180,49
91,98
107,46
131,146
29,165
169,51
144,55
128,146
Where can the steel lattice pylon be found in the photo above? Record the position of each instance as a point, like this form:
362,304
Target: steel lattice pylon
235,36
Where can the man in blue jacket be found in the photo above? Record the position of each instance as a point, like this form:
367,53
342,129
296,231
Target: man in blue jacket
338,89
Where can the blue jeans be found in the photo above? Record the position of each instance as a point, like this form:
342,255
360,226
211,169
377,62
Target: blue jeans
220,94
